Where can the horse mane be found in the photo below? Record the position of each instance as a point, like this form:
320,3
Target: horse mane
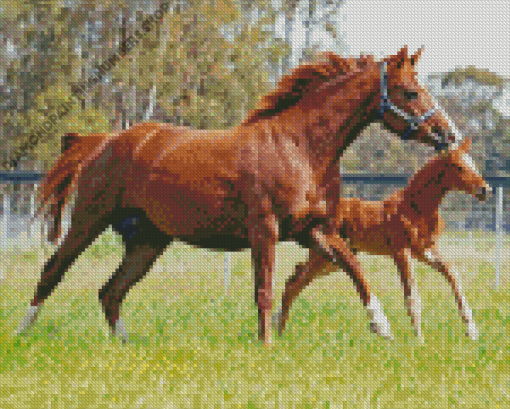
303,79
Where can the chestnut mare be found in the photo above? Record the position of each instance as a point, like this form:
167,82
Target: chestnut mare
406,225
266,180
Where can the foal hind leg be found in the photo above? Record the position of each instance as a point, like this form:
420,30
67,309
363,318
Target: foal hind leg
304,274
138,259
335,249
85,228
412,297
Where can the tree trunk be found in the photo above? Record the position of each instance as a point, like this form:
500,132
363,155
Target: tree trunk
289,20
149,111
125,84
307,23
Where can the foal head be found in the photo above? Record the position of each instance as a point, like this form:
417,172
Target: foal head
455,170
407,109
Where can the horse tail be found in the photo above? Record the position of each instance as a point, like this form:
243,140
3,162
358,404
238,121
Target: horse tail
60,181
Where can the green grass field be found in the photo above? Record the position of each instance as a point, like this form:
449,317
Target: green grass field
194,344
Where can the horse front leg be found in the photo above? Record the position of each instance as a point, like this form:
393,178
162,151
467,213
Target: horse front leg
263,243
432,258
412,297
335,250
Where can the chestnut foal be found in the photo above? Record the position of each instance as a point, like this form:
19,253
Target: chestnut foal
404,226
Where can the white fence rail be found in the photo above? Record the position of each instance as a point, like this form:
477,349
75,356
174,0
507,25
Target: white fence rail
19,204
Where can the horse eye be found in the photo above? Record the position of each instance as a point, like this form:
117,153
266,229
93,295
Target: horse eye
410,94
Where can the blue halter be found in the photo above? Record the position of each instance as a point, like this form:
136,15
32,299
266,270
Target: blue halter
413,120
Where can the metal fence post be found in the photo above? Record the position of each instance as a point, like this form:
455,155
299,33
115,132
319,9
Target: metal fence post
5,218
32,212
499,230
275,269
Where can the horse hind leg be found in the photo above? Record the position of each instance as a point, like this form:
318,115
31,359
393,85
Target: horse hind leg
85,228
335,250
143,245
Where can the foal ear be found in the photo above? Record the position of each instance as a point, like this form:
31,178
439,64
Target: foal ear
466,144
416,56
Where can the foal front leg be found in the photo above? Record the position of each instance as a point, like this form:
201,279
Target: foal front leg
327,253
404,263
432,258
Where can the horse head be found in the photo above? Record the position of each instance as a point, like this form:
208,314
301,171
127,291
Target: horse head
408,109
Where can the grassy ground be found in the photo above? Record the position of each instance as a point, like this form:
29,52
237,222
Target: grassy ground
194,344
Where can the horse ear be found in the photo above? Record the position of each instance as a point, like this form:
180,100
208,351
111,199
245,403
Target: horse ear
416,56
401,57
402,53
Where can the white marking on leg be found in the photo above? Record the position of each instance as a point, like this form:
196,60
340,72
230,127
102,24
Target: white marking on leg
464,310
120,331
29,319
467,315
277,320
415,312
458,284
472,331
378,321
414,302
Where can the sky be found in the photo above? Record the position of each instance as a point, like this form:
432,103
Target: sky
455,33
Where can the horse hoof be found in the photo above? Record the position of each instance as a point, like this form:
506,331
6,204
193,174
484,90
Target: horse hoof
376,329
121,332
27,322
379,323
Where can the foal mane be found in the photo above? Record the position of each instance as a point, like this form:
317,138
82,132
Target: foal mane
429,173
302,80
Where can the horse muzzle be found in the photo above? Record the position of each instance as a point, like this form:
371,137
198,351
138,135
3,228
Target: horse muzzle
483,193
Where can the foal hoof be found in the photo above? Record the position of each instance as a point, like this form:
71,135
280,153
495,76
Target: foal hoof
379,324
417,334
472,331
277,320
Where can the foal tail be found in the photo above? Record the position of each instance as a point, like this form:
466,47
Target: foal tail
61,180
